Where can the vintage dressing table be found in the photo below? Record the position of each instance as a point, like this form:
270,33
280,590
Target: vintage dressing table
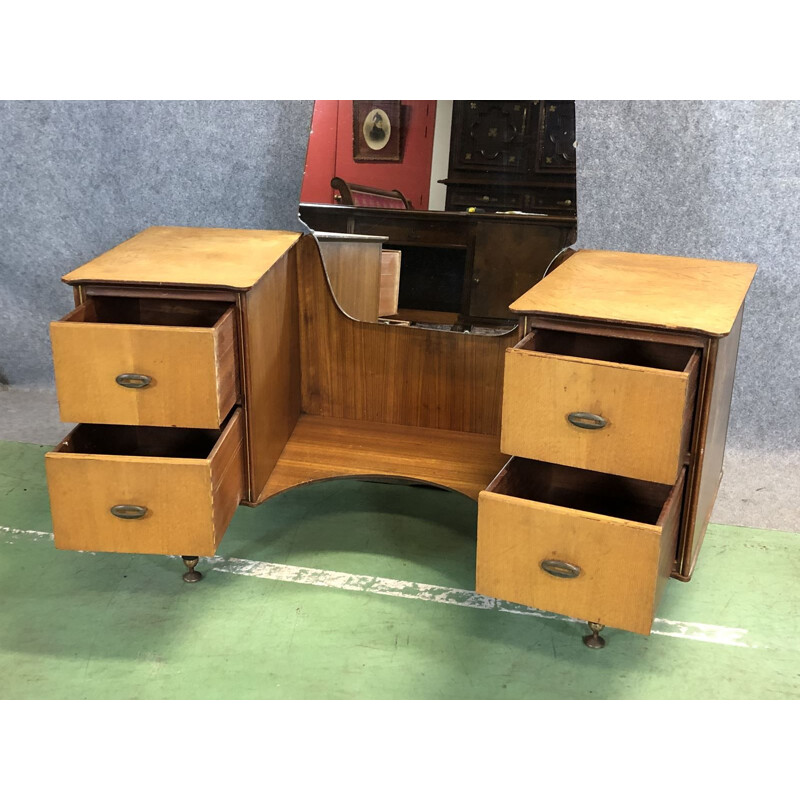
212,367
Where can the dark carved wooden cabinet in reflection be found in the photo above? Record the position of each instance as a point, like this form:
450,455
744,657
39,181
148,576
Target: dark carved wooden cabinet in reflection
512,155
468,265
509,210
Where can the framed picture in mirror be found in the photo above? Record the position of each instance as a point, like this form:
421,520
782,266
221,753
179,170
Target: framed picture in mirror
377,130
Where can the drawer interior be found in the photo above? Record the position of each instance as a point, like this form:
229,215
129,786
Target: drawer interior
121,440
636,352
149,311
583,490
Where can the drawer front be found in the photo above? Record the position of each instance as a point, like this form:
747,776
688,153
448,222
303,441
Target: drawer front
645,413
586,566
189,373
161,505
415,231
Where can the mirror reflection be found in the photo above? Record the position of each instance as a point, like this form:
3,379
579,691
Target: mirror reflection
439,213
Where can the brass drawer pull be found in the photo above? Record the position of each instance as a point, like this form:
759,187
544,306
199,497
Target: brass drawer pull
560,569
583,419
128,512
130,380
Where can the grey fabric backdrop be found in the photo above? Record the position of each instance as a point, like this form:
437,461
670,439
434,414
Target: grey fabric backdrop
716,180
77,178
706,179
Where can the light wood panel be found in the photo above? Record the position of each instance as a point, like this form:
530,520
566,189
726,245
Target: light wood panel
271,365
393,374
227,476
623,564
221,257
390,282
189,501
659,291
645,437
321,448
193,371
354,272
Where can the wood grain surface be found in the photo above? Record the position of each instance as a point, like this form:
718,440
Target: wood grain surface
660,291
646,435
321,448
271,365
393,374
193,371
220,257
179,493
354,271
712,431
623,564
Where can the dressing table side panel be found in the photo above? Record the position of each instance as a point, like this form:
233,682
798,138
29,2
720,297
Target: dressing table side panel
270,356
709,442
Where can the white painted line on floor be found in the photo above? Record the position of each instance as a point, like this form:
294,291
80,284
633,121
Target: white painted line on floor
411,590
696,631
18,531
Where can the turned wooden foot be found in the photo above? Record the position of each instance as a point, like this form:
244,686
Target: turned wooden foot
594,639
191,575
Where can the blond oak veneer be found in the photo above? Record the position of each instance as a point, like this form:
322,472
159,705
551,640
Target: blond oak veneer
193,370
623,563
646,435
209,257
689,294
189,500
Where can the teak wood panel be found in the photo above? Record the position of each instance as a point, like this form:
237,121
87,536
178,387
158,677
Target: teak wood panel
712,429
322,448
624,565
354,271
646,435
219,257
393,374
637,289
189,501
193,371
271,365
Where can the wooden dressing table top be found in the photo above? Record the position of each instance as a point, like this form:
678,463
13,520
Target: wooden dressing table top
220,257
686,294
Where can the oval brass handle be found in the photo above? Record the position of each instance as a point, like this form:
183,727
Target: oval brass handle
128,512
560,569
132,380
583,419
564,203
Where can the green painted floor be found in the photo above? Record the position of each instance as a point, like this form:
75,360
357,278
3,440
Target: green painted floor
84,625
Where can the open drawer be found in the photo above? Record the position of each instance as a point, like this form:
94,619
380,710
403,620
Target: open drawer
617,405
146,361
588,545
145,490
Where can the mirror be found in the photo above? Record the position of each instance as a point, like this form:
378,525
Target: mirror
439,213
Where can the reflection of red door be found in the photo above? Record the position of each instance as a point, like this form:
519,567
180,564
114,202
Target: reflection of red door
330,153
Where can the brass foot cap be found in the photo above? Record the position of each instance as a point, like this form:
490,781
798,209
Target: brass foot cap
594,641
193,576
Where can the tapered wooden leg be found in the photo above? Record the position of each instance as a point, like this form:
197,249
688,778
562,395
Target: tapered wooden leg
191,575
594,639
